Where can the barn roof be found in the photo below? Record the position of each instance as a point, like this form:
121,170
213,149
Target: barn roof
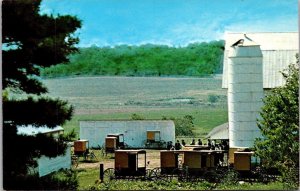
219,132
278,49
31,130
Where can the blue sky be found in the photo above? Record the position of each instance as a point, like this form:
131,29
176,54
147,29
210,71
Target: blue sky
173,22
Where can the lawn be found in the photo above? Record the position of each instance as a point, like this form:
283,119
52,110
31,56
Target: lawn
88,179
205,119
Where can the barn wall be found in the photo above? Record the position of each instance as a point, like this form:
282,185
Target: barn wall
278,49
47,165
135,132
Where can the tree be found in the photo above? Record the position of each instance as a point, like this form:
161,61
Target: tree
31,41
279,145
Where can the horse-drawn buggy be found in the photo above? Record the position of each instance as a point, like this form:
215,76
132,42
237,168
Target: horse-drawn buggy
170,161
129,164
189,165
250,168
81,149
202,164
186,165
114,142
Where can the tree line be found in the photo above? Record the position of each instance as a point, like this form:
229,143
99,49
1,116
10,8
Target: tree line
197,59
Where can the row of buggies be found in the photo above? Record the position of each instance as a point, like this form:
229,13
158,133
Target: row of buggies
112,143
184,165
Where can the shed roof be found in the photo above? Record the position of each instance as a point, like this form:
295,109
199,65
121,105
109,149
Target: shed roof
131,151
219,132
278,49
31,130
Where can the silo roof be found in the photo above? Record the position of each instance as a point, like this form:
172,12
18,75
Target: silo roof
278,49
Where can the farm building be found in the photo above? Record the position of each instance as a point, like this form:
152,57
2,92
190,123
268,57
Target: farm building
136,132
252,65
47,165
219,133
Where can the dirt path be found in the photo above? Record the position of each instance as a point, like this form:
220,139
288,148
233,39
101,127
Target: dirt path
153,156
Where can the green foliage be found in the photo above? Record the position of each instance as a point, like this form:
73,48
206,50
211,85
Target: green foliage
183,125
32,41
197,59
61,180
135,116
279,146
212,98
230,178
150,185
29,111
69,136
176,185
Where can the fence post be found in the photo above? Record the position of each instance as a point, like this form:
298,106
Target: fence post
101,172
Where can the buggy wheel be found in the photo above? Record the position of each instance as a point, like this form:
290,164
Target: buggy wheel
93,156
181,174
109,174
155,174
150,174
212,176
261,175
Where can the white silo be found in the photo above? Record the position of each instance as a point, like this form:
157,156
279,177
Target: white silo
245,92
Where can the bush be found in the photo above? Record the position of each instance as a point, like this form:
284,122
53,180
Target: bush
183,126
230,178
61,180
212,98
137,117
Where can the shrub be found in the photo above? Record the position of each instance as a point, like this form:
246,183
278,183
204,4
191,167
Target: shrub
183,126
212,98
137,117
61,180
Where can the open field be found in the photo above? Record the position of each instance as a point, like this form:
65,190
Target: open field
99,98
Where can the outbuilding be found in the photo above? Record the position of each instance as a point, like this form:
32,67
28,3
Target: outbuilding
136,132
47,165
219,133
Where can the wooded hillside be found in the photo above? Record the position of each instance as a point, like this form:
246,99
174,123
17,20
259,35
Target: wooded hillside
197,59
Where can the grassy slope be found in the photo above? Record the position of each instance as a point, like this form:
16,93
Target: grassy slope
152,97
205,118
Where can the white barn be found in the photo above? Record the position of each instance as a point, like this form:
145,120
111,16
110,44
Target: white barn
47,165
250,68
278,50
135,131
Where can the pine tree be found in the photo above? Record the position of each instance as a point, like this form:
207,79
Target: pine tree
31,41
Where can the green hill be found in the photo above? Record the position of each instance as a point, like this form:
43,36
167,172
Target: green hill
197,59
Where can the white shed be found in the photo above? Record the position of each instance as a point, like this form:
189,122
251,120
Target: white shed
47,165
135,131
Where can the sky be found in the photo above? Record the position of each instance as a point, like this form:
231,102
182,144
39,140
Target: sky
172,22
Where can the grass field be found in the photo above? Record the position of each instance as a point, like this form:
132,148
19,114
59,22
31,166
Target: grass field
88,178
99,98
